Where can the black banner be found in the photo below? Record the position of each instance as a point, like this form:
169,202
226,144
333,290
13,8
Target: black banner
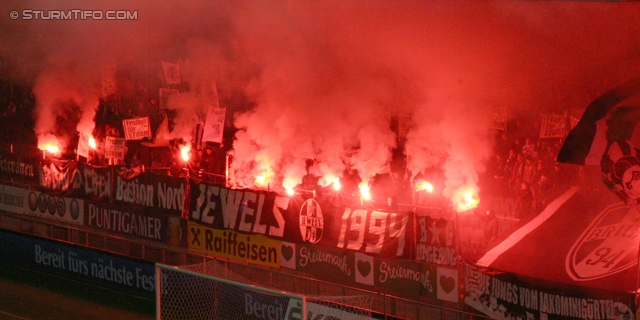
303,220
509,296
400,277
96,182
164,194
249,211
436,241
20,169
58,176
382,233
128,221
324,262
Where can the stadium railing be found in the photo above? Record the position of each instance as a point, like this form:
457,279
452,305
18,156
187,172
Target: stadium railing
382,305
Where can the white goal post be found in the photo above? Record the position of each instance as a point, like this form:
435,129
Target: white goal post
210,290
183,294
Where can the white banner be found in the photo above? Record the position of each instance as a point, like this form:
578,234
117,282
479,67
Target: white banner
114,148
83,146
499,119
553,126
171,72
39,204
136,129
214,125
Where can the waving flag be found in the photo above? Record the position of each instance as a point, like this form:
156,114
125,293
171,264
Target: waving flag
605,136
171,72
214,125
162,133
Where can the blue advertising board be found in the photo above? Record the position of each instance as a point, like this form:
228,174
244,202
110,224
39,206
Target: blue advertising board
90,266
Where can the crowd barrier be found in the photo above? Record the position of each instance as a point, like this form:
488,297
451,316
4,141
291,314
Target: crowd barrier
383,305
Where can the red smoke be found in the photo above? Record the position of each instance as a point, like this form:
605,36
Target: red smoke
325,77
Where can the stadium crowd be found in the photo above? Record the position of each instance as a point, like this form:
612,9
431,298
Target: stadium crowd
522,167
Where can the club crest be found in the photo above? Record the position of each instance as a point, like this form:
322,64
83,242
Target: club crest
311,221
609,245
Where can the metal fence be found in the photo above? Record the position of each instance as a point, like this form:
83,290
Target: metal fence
384,305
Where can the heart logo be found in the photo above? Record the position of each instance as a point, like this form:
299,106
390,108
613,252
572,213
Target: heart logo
447,284
364,267
287,252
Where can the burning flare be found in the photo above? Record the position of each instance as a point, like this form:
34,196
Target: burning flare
336,185
264,178
365,191
261,181
184,152
92,142
289,183
49,143
330,179
465,198
290,191
53,148
424,185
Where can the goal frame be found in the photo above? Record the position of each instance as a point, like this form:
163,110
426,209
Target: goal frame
158,282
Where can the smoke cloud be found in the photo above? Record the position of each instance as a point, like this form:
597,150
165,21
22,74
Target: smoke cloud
326,77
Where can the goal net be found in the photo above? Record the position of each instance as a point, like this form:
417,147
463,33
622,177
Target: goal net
183,294
210,290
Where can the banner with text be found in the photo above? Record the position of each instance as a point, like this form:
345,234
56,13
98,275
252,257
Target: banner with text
553,126
114,148
125,275
95,182
39,204
256,249
83,146
20,169
57,176
382,233
404,278
436,241
241,302
509,296
161,193
248,211
303,220
214,124
137,128
408,279
127,221
333,264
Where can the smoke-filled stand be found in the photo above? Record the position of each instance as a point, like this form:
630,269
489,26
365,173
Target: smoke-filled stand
443,159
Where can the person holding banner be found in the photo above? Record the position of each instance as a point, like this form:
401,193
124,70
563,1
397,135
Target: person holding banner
210,160
529,149
524,204
176,170
491,226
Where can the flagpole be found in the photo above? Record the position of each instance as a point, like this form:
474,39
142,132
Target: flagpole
635,293
226,170
459,263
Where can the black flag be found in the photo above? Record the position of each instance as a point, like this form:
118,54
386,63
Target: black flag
605,137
